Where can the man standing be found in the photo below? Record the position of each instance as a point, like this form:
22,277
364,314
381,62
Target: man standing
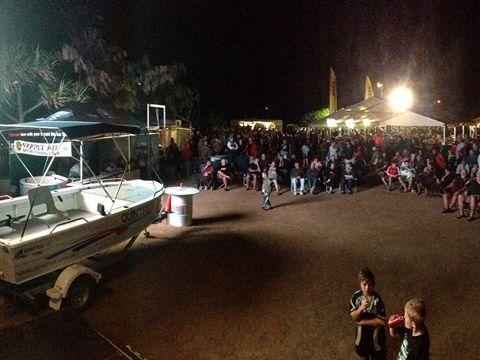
173,158
232,147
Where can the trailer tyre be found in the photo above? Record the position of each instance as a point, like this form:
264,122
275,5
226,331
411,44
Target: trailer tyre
81,292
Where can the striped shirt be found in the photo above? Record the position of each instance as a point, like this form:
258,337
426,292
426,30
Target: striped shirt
376,309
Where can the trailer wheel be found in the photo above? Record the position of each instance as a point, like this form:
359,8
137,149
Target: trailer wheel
81,292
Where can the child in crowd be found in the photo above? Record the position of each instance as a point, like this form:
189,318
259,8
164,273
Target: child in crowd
416,340
368,312
406,175
331,177
273,176
390,176
205,177
348,180
266,191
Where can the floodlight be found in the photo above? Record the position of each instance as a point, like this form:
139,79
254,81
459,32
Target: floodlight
366,122
401,99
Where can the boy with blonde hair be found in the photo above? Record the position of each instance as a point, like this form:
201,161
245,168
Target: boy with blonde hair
416,340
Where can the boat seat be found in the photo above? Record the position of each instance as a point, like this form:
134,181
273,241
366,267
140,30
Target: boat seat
41,195
5,231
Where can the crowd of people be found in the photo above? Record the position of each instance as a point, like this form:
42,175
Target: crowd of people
447,171
312,161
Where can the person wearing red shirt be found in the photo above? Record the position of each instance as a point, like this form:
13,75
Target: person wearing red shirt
440,161
251,149
390,176
205,178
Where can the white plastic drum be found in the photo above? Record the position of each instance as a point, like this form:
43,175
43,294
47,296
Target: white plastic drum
182,205
53,182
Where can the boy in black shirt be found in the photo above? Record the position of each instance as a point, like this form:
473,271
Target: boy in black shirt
348,180
368,312
416,341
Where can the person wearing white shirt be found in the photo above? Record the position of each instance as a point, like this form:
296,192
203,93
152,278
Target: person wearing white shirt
232,147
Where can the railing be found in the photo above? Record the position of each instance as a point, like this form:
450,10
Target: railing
67,222
108,180
156,192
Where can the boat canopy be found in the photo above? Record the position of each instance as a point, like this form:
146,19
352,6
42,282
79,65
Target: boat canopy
76,129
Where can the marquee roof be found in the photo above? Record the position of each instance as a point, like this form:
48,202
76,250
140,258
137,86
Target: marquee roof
379,112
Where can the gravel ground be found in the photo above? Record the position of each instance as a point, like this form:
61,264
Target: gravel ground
243,283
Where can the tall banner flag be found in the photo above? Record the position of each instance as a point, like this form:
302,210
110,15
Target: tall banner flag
368,88
332,103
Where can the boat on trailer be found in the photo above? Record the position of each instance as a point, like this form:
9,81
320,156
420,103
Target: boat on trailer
47,230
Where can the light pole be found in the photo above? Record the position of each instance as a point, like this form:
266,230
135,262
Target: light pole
366,123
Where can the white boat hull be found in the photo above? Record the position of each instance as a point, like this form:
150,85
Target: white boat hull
83,234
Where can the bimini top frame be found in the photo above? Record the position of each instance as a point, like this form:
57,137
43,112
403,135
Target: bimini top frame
75,131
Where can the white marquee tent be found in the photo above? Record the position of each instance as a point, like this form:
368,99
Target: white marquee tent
410,118
377,112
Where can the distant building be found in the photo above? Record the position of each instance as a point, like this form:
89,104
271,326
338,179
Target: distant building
259,123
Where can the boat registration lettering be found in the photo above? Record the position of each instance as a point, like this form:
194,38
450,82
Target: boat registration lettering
22,253
135,214
64,258
23,273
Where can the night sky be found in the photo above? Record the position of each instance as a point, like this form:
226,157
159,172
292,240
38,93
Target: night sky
245,56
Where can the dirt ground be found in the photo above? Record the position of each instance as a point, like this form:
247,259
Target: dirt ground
243,283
